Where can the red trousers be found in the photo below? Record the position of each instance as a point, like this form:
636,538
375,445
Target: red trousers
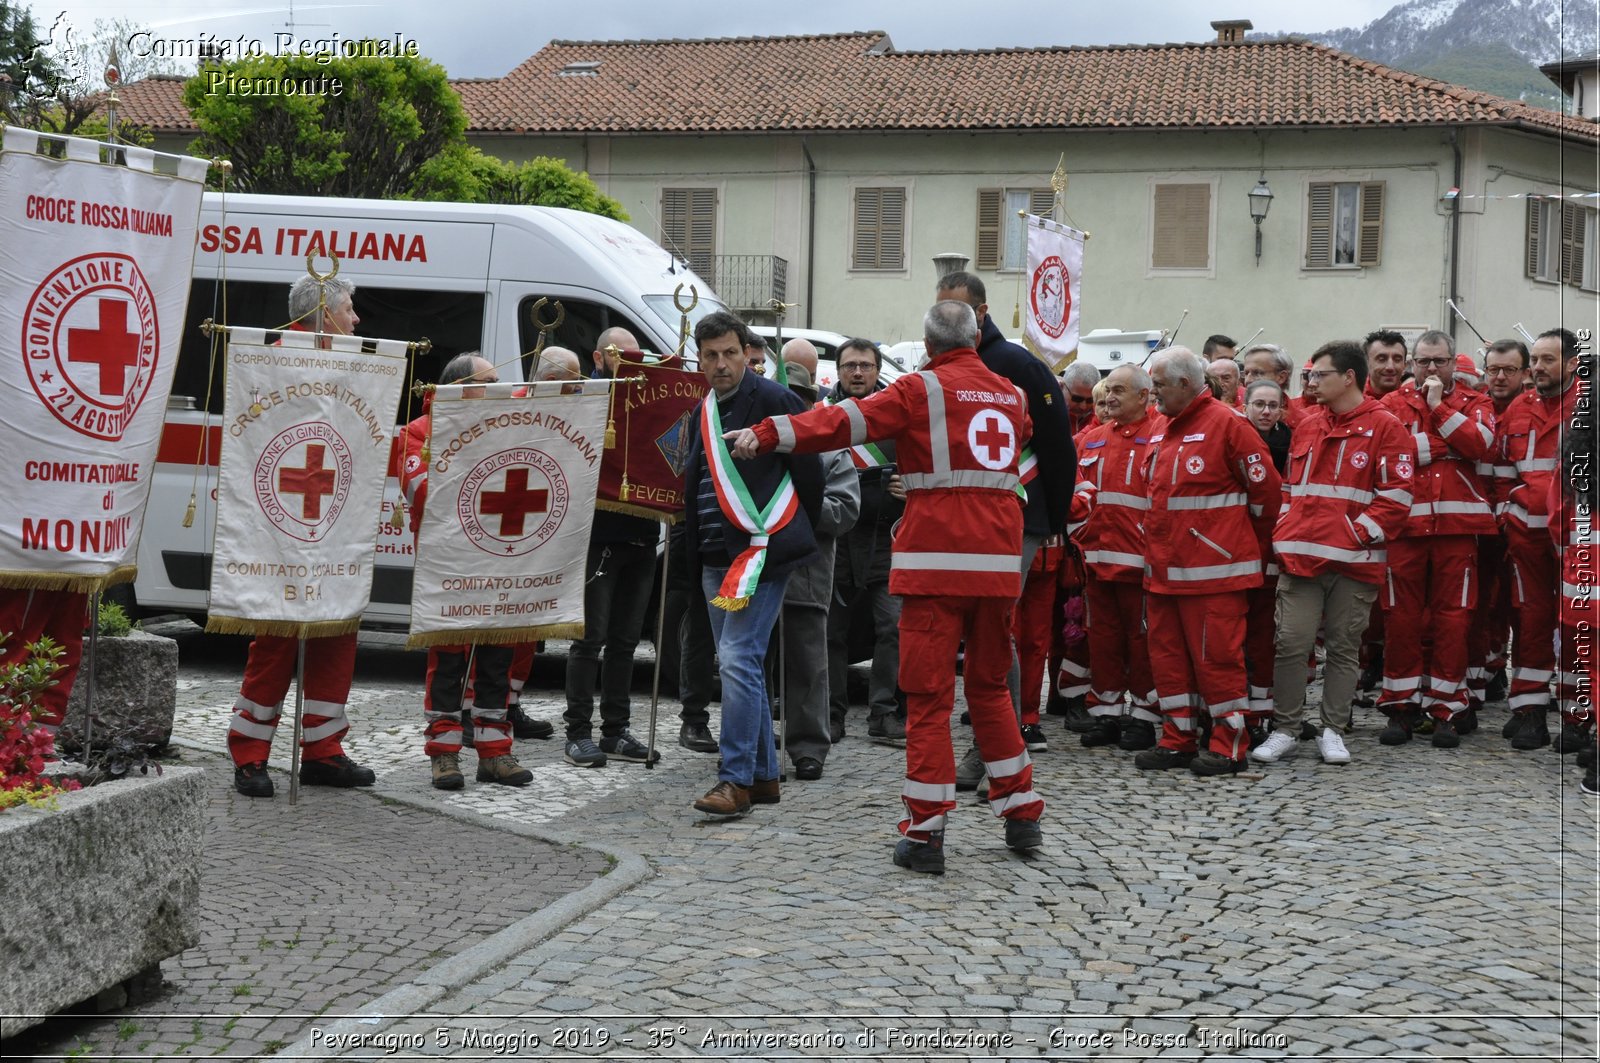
330,663
1119,656
931,631
1431,587
1535,593
1032,626
1260,647
32,615
1196,656
1491,625
443,694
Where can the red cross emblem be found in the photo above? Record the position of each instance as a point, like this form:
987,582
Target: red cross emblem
111,347
531,501
992,440
312,483
515,503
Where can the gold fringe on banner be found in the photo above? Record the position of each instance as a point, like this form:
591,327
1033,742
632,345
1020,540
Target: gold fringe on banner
497,636
636,511
62,581
289,629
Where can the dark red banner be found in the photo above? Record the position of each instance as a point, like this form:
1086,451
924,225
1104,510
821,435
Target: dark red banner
642,470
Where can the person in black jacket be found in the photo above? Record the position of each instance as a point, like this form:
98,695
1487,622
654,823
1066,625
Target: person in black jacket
1050,488
724,497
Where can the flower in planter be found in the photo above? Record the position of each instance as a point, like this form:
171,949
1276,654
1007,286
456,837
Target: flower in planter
24,742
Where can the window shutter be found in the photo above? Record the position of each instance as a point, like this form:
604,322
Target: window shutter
689,226
880,229
675,221
1535,243
1319,226
1042,201
1369,241
1182,236
991,201
1571,244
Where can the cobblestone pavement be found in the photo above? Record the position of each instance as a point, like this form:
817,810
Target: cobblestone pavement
1417,903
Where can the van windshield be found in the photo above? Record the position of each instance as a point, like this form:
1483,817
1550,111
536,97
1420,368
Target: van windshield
667,311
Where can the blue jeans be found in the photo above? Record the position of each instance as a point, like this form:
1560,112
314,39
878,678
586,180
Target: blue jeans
748,751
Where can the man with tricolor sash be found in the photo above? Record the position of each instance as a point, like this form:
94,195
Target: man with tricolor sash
748,526
957,565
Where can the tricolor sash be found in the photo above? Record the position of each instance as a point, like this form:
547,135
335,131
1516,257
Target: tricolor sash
737,505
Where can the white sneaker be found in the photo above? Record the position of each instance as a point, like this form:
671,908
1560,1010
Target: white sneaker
1331,744
1279,744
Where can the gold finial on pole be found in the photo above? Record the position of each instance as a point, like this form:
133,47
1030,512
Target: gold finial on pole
683,327
545,328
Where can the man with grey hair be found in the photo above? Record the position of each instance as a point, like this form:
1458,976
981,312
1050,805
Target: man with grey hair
958,429
1213,497
1078,381
1268,361
322,306
1225,371
557,363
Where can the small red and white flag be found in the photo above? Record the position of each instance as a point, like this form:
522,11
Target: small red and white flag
1055,264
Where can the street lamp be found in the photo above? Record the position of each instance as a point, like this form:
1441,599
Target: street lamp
1260,203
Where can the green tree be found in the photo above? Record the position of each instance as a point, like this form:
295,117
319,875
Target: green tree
287,131
465,174
25,65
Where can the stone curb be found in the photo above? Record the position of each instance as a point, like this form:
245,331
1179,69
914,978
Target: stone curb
477,960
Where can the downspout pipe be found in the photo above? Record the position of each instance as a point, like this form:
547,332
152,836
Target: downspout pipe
811,229
1455,232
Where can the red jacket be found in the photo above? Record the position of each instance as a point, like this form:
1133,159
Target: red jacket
414,473
1114,460
1448,496
958,429
1527,453
1348,493
1212,487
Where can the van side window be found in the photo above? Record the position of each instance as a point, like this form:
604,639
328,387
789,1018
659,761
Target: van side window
580,328
452,320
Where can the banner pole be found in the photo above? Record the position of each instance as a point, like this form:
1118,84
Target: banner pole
299,707
655,678
88,691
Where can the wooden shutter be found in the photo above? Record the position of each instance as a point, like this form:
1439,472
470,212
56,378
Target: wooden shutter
1369,237
880,232
689,226
991,227
1535,244
1572,244
1182,227
1042,201
1319,225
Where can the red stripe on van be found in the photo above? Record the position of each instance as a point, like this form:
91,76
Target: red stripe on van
180,445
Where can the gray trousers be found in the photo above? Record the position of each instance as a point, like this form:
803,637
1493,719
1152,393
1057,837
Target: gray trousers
881,698
1340,606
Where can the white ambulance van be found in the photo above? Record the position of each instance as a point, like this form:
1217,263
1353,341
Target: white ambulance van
465,276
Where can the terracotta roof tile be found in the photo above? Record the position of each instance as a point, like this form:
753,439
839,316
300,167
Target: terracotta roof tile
857,81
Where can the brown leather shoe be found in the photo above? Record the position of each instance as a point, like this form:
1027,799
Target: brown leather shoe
764,792
725,799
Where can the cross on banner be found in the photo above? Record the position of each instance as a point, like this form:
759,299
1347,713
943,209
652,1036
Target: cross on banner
515,503
310,482
111,347
994,438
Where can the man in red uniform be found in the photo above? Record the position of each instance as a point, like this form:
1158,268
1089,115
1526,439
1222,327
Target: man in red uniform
1505,370
1432,583
1349,493
1529,452
957,566
1386,367
316,306
1212,488
1114,458
448,665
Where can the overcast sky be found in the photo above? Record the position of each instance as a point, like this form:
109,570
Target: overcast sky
486,38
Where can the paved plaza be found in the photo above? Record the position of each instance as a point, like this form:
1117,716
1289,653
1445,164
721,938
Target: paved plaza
1417,903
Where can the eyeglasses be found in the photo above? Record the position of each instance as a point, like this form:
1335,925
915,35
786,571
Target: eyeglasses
857,367
1433,361
1263,405
1501,370
1315,376
1086,400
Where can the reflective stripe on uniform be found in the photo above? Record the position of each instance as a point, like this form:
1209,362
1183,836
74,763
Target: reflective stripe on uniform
785,432
1347,494
1537,465
1374,532
260,712
928,791
1424,450
999,769
1117,498
858,422
1223,501
1112,557
938,431
1200,572
1451,423
1530,520
952,562
1329,553
1002,805
986,478
250,728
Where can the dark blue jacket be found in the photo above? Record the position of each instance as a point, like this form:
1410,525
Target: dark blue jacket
795,543
1050,494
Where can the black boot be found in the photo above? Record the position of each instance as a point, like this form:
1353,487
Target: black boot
1401,723
1534,731
924,857
524,726
1106,731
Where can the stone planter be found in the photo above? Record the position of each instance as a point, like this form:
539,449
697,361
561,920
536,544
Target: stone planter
136,692
99,889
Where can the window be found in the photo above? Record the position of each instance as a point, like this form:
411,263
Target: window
880,229
1588,253
1180,226
689,226
1002,237
1344,224
1561,241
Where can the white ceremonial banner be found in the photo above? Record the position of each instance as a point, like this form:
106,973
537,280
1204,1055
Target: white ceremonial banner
1055,262
307,428
512,475
94,286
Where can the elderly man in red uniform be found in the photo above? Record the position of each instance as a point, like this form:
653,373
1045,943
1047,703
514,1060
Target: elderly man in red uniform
957,562
323,306
1432,580
1212,491
1529,452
